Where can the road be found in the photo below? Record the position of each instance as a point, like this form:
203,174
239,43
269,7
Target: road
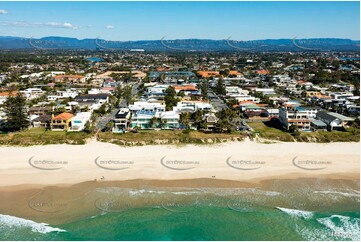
102,121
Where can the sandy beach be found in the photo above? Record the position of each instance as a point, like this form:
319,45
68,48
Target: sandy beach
239,161
62,183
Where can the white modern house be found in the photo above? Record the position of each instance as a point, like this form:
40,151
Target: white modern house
298,116
142,119
167,120
150,120
192,106
147,106
32,93
234,91
67,93
266,91
78,121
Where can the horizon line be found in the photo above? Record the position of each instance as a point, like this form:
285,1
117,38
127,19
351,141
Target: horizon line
190,38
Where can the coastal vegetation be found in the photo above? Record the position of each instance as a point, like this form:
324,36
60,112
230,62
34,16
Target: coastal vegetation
263,131
41,136
147,137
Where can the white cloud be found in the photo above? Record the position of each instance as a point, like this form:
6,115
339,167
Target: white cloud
109,27
37,24
61,25
2,11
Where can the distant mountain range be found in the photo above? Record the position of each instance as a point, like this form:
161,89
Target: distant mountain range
49,43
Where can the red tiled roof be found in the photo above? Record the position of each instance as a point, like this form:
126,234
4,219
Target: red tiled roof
63,116
186,88
6,94
262,72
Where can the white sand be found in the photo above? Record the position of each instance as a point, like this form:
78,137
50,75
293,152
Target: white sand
276,162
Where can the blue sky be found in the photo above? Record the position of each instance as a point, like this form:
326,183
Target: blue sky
153,20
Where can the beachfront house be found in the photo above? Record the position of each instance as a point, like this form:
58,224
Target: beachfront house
122,120
334,121
167,120
318,125
42,121
211,121
150,120
78,122
142,119
297,116
61,122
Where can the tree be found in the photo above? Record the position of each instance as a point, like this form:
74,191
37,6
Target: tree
197,116
293,129
153,122
185,119
169,98
126,94
16,117
220,88
204,89
227,120
88,128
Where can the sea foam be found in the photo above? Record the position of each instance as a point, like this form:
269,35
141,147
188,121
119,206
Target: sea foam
12,221
342,226
297,213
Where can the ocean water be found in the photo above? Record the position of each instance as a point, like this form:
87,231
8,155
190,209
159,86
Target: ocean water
307,213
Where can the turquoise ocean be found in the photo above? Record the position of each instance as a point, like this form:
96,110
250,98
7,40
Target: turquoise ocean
322,211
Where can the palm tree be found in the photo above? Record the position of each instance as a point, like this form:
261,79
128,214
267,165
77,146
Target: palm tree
162,122
153,122
185,119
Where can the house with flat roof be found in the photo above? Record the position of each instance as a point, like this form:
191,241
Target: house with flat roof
167,120
92,101
142,119
121,120
298,116
192,106
146,106
79,121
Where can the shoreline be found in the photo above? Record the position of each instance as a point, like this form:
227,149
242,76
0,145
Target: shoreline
57,205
